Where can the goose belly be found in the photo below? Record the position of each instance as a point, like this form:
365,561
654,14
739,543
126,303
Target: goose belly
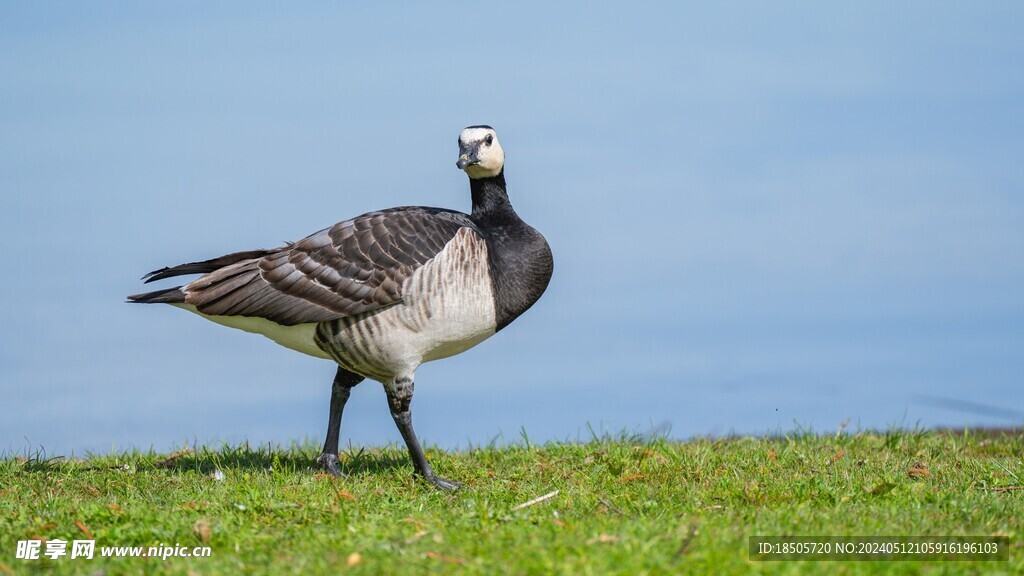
301,337
447,307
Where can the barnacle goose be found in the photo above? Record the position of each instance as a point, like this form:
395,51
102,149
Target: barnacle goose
383,292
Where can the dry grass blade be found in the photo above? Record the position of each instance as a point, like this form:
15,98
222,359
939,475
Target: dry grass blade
1004,488
170,459
536,500
443,558
84,530
918,472
416,536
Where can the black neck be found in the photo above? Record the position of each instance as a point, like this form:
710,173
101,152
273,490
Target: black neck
490,199
520,259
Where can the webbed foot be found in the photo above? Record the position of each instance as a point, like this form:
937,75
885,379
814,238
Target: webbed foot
329,463
442,483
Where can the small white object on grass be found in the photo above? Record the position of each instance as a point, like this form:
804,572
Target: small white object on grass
536,500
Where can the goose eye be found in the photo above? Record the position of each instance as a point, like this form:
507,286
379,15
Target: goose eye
489,139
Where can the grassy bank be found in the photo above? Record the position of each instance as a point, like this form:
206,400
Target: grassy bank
622,506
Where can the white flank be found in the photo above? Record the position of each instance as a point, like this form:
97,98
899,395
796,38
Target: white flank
298,337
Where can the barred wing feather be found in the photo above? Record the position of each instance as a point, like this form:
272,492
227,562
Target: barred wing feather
353,267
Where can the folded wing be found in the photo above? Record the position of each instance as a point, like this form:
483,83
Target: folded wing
351,268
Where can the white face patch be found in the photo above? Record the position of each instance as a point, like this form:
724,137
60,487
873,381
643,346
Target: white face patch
481,143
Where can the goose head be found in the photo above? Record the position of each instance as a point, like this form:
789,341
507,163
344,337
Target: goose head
480,154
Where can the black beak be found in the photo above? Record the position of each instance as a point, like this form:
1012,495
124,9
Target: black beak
467,158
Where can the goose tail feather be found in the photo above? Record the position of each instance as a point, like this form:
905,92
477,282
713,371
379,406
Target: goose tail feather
167,296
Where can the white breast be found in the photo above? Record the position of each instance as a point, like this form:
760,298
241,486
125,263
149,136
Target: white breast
447,308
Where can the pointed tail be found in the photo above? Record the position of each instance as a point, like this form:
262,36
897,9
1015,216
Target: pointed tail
167,296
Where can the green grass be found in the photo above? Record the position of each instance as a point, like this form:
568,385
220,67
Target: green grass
624,506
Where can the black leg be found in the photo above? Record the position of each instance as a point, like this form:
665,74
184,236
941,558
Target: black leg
399,398
340,390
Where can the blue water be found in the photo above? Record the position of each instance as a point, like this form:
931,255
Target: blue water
577,376
764,218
